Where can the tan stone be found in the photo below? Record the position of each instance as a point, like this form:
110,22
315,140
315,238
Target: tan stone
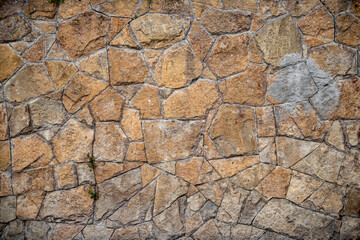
133,70
182,7
172,69
156,31
4,133
347,30
65,231
106,170
278,38
27,149
254,53
131,124
208,230
252,176
233,130
241,5
229,55
250,232
35,52
107,106
352,130
354,8
148,102
200,40
265,121
135,211
336,6
275,184
350,171
318,23
193,101
290,151
246,88
72,8
72,204
46,111
46,27
9,62
40,9
73,142
125,38
110,142
270,9
136,152
120,8
85,174
214,3
335,58
57,53
80,91
60,72
5,184
9,8
83,34
301,187
20,47
314,42
348,106
28,205
41,179
300,8
232,21
130,232
231,166
214,190
258,22
327,198
324,162
4,156
200,10
55,68
282,216
168,189
19,120
85,116
231,205
169,140
65,176
148,174
335,136
207,73
14,28
196,171
95,65
17,88
268,153
115,26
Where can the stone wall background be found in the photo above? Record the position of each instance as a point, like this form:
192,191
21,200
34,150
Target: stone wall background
208,119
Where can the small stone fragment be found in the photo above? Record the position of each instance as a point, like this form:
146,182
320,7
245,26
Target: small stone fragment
5,183
270,9
125,38
19,120
352,130
107,106
136,152
200,40
301,187
207,231
214,191
231,166
131,124
96,65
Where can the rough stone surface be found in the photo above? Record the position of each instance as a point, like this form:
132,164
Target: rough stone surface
83,34
96,65
41,179
347,30
233,130
148,102
278,38
29,82
200,40
229,55
9,62
47,111
107,106
28,205
14,28
156,31
235,22
177,67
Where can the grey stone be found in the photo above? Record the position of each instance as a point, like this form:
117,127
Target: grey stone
96,232
14,28
36,230
290,59
350,228
169,221
293,84
7,209
253,204
274,236
208,211
282,216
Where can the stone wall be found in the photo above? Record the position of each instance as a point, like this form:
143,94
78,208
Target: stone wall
206,119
